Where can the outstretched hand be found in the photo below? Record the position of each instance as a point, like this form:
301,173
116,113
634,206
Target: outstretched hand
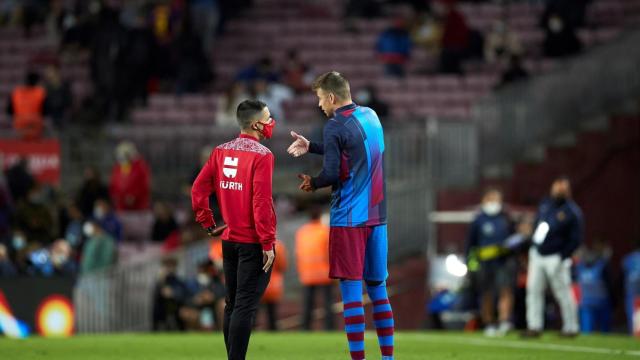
306,183
300,145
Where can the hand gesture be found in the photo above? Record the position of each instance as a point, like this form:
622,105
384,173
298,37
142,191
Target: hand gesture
300,145
306,183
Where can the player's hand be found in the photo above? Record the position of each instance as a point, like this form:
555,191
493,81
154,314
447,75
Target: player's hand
267,259
306,183
300,145
216,230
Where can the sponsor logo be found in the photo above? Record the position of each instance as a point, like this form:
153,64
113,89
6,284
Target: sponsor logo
230,168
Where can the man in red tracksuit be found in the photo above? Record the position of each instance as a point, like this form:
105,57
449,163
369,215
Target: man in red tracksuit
240,174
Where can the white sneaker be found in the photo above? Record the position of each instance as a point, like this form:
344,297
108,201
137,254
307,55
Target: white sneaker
490,331
504,328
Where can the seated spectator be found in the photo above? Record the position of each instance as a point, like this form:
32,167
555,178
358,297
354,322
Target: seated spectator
34,217
204,308
394,48
164,223
274,95
456,37
296,73
58,101
26,105
73,231
169,296
514,73
62,260
228,104
103,214
130,184
263,69
427,32
100,249
19,180
501,43
369,97
7,269
560,37
91,190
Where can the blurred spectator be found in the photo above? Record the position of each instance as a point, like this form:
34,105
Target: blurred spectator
7,269
263,69
91,190
26,105
369,97
19,180
501,43
596,288
164,223
205,16
514,73
99,251
58,101
73,231
560,36
39,261
274,95
130,184
103,215
204,308
364,9
631,270
427,32
137,64
312,258
485,242
394,48
273,294
34,217
456,37
63,263
228,104
6,206
295,73
193,66
169,296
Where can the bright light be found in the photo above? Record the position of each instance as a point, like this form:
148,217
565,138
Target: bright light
454,266
55,317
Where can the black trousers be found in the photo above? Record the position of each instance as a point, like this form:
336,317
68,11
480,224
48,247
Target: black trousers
309,297
245,282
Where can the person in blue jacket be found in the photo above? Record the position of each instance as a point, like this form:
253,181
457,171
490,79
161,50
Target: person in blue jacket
593,276
631,269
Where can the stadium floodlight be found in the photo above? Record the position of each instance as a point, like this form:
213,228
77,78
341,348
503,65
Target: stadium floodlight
454,266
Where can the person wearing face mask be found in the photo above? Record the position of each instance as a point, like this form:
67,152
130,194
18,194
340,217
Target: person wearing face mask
63,264
130,185
559,230
240,173
100,249
487,234
104,215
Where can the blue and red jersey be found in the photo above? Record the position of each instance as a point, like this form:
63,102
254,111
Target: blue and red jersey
353,148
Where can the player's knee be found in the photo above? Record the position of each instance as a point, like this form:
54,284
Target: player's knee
374,283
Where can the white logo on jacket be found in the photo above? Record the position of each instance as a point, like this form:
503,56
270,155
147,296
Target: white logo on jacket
232,171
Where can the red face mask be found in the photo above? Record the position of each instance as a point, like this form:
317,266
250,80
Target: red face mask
267,129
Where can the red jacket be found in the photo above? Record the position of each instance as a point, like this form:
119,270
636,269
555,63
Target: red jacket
130,185
240,173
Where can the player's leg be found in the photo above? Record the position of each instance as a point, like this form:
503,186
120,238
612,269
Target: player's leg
327,292
536,283
559,274
230,266
309,295
346,262
251,284
375,274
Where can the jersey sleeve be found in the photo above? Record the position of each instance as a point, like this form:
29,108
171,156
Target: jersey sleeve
203,186
330,174
263,213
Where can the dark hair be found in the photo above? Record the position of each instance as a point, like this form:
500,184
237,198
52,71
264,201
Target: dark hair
32,78
247,112
334,83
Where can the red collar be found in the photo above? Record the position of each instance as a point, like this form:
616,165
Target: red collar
246,136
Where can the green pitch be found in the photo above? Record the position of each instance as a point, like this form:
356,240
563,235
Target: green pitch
311,346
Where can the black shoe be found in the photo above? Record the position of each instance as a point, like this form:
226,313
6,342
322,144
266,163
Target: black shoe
530,334
568,335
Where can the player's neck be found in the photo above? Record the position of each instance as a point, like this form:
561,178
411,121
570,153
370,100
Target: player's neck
252,133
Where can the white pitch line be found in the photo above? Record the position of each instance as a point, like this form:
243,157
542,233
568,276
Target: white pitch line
524,345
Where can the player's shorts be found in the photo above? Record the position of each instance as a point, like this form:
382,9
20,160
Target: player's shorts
357,253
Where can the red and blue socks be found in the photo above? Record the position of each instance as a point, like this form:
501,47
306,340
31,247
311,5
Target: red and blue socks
353,317
382,317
